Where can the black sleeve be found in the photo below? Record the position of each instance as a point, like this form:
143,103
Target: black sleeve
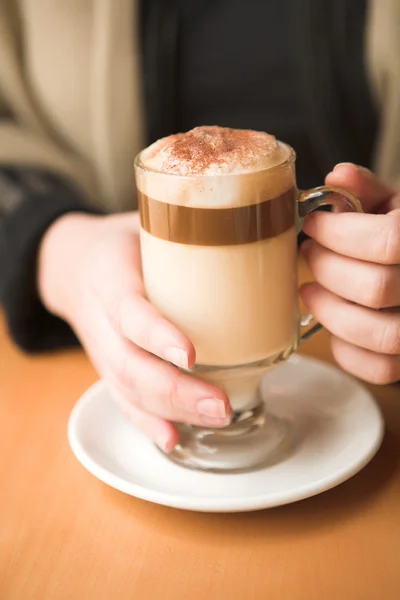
30,201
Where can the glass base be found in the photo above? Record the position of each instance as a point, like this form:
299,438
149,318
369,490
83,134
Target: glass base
254,439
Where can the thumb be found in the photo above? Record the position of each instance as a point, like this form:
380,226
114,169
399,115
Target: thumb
374,195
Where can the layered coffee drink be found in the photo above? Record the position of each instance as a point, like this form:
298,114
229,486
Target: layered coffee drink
218,238
220,212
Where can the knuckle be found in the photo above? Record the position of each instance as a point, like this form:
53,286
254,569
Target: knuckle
172,384
389,338
390,239
387,370
114,310
132,322
124,372
379,288
141,333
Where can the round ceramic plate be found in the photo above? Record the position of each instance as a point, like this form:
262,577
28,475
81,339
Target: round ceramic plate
337,430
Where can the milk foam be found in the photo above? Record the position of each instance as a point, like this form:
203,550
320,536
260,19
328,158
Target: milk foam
214,151
215,167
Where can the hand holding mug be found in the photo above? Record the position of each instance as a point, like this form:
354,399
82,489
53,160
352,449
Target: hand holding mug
95,283
355,260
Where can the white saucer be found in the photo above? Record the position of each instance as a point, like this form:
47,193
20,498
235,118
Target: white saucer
338,430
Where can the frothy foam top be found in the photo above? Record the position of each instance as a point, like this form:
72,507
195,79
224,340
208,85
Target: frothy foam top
214,151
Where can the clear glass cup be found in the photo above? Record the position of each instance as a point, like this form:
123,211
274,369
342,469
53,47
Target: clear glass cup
219,257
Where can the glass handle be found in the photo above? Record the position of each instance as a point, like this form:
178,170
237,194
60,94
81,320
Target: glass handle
310,200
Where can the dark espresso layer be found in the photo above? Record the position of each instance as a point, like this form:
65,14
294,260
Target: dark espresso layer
218,226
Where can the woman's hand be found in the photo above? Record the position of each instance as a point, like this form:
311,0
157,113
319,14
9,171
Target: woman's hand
355,259
90,275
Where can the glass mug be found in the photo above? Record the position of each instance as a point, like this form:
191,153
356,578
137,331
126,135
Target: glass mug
219,259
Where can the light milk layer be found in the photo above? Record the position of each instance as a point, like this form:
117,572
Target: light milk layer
237,304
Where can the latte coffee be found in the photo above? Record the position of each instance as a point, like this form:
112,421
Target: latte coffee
219,213
218,238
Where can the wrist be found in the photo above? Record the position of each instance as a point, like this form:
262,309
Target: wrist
62,252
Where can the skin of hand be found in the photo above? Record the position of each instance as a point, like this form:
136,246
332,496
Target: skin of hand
89,273
355,260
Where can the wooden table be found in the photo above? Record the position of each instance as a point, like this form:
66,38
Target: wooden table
65,535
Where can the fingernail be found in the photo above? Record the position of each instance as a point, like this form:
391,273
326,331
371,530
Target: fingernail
307,290
216,423
366,171
306,247
212,407
177,356
358,168
163,442
344,164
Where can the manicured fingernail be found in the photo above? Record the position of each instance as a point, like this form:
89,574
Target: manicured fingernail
177,356
212,407
164,443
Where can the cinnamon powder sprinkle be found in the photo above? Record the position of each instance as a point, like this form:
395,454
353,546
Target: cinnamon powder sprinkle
211,149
